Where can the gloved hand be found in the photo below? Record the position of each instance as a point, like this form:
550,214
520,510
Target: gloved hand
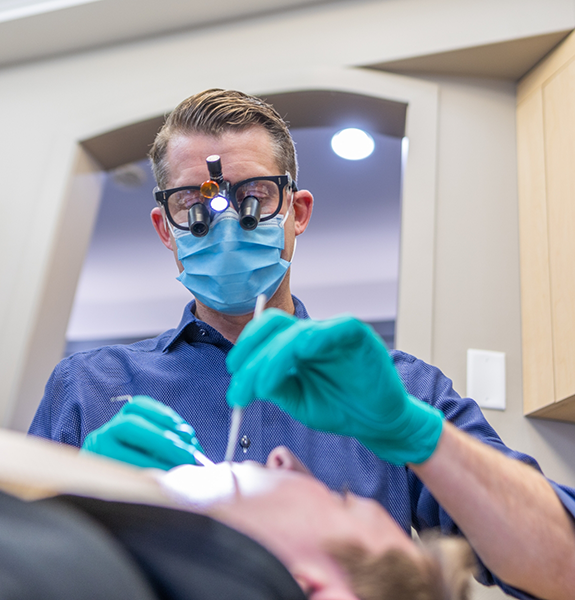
145,433
333,375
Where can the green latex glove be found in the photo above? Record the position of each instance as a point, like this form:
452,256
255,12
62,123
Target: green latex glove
145,433
333,375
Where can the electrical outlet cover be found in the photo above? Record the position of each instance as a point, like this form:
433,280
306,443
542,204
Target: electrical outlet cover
486,378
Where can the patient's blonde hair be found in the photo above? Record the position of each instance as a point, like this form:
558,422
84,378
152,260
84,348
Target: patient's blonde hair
443,574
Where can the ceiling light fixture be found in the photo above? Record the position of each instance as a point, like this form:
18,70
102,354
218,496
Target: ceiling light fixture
11,10
352,144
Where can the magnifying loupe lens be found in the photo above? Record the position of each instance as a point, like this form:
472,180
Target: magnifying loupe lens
199,220
250,213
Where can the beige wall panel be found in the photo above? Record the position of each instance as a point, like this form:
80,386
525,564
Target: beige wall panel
547,68
476,292
538,378
47,326
477,283
559,115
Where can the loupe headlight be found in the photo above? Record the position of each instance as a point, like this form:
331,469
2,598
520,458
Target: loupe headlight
214,192
219,203
200,217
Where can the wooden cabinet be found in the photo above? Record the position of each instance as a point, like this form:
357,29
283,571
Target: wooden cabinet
546,170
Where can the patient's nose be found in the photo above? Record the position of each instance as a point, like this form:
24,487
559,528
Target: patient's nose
282,458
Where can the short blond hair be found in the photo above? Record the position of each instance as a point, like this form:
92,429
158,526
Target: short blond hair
216,111
443,574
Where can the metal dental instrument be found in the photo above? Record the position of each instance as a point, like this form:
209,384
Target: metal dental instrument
202,459
237,412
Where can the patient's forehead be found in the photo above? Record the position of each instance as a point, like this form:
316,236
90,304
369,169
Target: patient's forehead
203,487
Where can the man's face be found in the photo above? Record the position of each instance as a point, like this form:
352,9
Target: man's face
244,154
293,515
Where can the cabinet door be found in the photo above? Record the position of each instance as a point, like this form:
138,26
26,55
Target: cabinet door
537,342
559,121
546,169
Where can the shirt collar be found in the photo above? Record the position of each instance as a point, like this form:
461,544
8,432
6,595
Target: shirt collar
189,320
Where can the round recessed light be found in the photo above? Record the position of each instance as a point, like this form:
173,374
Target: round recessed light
352,144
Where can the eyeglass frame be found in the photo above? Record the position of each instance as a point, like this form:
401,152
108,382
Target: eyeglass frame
282,181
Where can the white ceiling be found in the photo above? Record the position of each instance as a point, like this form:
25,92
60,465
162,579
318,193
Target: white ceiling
39,29
35,29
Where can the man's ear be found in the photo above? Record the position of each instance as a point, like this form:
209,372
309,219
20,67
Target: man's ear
302,207
160,224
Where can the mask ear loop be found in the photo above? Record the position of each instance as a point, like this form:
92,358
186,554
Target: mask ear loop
293,251
169,226
282,222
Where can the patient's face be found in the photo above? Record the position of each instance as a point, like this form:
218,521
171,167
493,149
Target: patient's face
291,513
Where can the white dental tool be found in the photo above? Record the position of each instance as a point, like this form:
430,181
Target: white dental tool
202,459
238,411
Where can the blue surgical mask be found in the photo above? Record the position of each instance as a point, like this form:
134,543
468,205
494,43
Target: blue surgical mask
230,267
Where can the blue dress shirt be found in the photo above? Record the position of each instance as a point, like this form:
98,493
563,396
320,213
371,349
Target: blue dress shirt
185,369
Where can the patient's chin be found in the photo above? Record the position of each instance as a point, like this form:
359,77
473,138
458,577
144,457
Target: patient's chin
282,458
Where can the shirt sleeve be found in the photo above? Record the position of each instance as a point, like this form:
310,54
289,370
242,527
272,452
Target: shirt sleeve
58,416
77,397
429,384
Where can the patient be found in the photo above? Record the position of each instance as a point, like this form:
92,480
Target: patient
334,546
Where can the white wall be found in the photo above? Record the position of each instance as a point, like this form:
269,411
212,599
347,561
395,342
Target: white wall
477,295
